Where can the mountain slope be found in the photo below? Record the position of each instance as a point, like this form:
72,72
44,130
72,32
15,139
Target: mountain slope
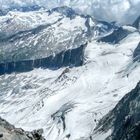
55,101
63,71
23,38
124,118
9,132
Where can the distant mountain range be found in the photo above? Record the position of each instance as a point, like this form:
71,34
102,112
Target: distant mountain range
124,11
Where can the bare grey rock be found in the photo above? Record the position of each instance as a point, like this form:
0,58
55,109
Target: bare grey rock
9,132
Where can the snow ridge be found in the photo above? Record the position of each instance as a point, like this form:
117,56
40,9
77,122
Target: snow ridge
122,11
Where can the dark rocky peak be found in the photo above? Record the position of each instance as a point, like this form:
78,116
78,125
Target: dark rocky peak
124,119
64,10
136,53
116,36
136,24
103,29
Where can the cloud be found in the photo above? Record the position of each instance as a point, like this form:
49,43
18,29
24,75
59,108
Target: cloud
122,11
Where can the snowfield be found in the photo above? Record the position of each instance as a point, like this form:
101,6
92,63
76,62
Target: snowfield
68,103
63,72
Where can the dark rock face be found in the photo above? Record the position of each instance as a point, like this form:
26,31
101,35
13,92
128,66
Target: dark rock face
115,37
71,58
136,24
136,54
68,12
9,132
124,118
1,12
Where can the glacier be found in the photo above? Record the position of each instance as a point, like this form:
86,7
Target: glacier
63,71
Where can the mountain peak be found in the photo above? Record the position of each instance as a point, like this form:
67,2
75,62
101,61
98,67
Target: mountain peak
136,24
67,11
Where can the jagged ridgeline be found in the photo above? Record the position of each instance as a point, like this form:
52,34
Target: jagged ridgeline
25,45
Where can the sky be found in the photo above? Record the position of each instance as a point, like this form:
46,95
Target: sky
122,11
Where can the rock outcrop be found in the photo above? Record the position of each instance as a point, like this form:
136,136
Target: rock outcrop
9,132
124,119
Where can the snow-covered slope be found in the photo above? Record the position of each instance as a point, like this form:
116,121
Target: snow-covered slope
66,101
35,39
69,102
123,11
35,35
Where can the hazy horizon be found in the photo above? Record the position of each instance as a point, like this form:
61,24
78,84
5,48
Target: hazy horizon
122,11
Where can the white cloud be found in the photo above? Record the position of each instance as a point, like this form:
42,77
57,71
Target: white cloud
123,11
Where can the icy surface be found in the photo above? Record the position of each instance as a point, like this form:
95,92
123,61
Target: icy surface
69,102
